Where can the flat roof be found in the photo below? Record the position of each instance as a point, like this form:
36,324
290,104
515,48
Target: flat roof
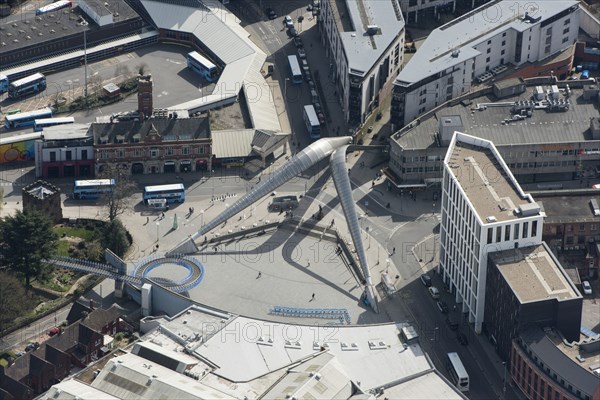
67,132
485,182
543,127
565,209
534,274
550,350
352,19
481,24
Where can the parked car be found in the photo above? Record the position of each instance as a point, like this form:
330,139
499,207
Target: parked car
587,288
321,118
298,42
369,129
434,292
32,346
452,323
462,338
585,74
288,22
442,306
53,331
301,52
426,280
271,13
19,353
292,32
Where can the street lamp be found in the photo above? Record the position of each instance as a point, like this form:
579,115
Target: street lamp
157,226
201,218
285,89
504,379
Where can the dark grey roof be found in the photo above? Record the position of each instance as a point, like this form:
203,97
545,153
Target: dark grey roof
571,126
158,358
177,129
564,366
100,317
568,208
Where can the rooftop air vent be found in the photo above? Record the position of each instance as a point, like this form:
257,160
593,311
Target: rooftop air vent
52,31
455,53
28,37
372,30
16,41
491,218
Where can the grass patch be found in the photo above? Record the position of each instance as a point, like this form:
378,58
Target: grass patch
79,232
63,248
3,362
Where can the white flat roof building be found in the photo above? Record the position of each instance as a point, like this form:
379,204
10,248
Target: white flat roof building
484,210
364,41
500,35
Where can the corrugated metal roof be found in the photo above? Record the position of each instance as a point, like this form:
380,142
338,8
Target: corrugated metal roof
234,143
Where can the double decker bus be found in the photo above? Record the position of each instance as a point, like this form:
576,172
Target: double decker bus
295,69
31,84
93,188
26,119
40,124
174,193
312,122
3,83
457,371
202,66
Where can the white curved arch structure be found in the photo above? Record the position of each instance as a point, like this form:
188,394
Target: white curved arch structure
335,148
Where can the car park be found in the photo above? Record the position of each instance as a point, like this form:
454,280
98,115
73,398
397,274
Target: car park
462,338
587,288
434,292
271,13
426,280
452,323
442,306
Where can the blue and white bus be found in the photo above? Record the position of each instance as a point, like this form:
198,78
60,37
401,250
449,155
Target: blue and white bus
3,83
53,7
295,69
174,193
93,188
40,124
457,372
312,122
31,84
26,119
202,66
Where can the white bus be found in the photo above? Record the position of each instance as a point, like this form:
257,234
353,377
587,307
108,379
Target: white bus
40,124
20,120
202,66
295,69
312,122
92,188
172,193
457,371
30,84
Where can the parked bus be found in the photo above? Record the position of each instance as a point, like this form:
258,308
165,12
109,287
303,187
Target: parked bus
28,85
202,66
457,371
53,7
40,124
93,188
312,122
3,83
26,119
174,193
295,69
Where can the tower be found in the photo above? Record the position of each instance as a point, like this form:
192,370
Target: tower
145,96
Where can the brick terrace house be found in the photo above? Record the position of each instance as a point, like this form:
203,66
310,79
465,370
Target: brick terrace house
77,345
162,143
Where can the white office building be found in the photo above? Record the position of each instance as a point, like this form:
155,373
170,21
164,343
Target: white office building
364,41
499,36
484,210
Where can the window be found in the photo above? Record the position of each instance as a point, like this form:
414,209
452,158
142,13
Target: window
504,43
137,153
547,49
489,42
566,30
502,53
516,231
153,152
487,60
169,151
567,21
489,51
120,153
525,229
581,227
549,40
104,154
549,31
201,150
52,156
565,40
489,235
507,233
498,234
185,150
84,155
593,227
504,34
533,228
68,155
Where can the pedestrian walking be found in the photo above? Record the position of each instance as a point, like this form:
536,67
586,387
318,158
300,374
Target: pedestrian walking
259,274
313,297
394,250
147,220
308,264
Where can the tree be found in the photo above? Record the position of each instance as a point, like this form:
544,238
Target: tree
12,298
114,237
27,239
118,201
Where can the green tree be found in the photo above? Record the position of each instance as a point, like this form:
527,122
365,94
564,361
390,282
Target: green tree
27,239
12,298
114,237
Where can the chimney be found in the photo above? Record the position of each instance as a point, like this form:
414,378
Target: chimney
91,304
145,96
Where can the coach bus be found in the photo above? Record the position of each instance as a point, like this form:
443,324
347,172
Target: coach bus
312,122
93,188
40,124
174,193
202,66
20,120
295,69
3,83
31,84
457,371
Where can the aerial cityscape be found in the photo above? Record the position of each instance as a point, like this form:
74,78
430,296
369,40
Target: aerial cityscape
307,199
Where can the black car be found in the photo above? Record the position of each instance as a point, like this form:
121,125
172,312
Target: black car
426,280
292,32
442,306
462,338
298,42
271,13
452,324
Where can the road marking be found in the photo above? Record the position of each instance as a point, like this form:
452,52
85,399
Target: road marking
173,61
261,31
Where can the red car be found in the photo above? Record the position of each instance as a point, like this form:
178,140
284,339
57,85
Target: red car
53,331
